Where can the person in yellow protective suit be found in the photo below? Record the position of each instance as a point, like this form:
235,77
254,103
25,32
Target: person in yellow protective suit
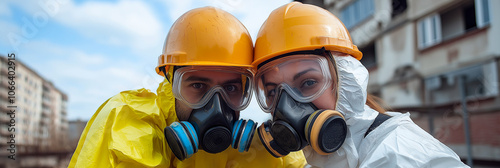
310,79
206,62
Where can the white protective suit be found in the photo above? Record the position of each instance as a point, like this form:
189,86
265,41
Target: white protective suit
398,142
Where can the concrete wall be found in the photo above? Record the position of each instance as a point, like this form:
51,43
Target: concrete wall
422,8
404,94
396,49
454,54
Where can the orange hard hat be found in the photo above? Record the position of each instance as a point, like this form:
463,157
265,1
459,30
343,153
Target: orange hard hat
207,36
298,27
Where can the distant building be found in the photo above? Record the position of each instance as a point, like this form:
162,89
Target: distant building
75,130
420,52
40,119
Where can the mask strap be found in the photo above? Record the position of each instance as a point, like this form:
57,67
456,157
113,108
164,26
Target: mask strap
162,69
320,51
166,74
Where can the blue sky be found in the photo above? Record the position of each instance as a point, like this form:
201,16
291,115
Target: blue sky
92,50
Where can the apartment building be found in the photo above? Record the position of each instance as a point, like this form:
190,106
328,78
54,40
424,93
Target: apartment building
427,57
41,126
75,130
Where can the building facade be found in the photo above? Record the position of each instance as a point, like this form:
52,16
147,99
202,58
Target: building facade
40,120
427,57
75,130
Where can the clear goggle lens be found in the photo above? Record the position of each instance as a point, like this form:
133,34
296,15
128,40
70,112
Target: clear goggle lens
195,85
304,77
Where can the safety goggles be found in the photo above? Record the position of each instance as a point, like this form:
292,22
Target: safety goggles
303,77
195,85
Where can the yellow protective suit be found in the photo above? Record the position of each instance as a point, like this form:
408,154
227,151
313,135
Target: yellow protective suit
127,131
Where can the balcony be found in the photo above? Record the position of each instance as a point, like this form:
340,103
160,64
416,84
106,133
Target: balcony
46,102
45,113
44,122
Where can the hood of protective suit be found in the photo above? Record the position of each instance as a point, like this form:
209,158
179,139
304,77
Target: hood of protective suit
396,138
353,81
166,101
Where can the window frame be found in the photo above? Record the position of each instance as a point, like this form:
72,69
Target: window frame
429,31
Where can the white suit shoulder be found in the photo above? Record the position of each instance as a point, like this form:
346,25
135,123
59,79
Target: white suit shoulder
398,142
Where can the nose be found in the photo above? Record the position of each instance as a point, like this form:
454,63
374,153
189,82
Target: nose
217,138
217,105
287,104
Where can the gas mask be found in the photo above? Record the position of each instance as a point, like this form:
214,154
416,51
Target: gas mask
286,87
213,124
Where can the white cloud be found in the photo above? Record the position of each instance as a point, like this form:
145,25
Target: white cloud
176,8
88,79
8,28
125,23
91,84
251,13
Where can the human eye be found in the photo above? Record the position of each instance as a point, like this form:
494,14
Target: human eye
269,90
231,88
193,91
198,86
271,93
308,83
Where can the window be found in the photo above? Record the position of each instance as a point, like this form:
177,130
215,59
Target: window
452,23
398,7
369,59
429,31
357,12
482,12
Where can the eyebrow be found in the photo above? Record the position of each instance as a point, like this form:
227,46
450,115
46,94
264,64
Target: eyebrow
302,73
202,79
266,84
270,84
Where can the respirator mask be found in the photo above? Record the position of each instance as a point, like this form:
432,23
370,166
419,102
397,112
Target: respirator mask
286,87
215,94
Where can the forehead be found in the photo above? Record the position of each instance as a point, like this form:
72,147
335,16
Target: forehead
292,67
219,76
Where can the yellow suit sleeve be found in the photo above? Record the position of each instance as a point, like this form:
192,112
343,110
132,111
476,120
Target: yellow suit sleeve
126,131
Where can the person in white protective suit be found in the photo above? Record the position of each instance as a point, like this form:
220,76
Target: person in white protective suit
310,79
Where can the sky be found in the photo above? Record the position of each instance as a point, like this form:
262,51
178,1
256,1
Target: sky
92,50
